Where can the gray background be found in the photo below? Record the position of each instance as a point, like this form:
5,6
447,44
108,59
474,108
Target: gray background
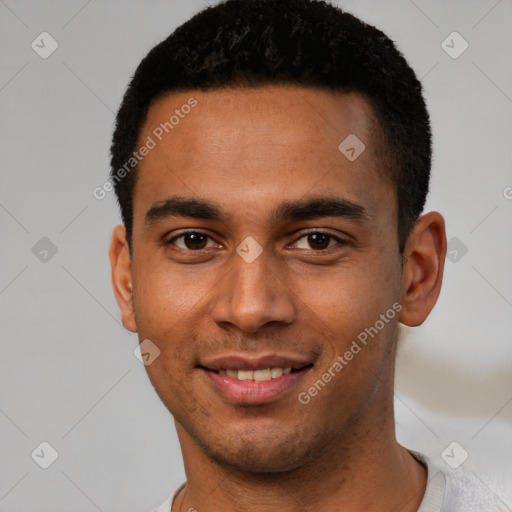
68,375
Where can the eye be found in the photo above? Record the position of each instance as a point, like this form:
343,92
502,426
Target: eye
192,241
318,241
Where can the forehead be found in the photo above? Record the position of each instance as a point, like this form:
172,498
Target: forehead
261,145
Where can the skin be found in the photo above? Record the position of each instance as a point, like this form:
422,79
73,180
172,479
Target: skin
250,150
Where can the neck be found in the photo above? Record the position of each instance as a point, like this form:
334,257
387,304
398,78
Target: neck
365,469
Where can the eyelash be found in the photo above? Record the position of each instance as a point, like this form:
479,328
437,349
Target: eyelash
340,241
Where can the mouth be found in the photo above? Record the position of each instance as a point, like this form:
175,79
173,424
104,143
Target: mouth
258,375
240,380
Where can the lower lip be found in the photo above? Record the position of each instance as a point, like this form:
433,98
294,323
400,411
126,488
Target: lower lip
251,391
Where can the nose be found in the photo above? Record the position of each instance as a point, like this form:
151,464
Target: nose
252,295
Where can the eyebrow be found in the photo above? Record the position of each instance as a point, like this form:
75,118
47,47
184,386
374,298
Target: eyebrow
177,206
316,208
312,208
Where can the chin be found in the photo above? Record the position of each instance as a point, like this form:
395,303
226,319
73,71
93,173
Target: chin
262,454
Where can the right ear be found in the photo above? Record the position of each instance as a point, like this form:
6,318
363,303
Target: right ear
122,276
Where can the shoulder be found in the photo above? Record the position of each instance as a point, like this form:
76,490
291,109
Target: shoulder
459,490
466,491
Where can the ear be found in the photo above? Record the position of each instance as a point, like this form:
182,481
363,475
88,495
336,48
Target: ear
424,256
122,277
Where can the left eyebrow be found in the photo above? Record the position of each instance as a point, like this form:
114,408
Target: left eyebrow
317,208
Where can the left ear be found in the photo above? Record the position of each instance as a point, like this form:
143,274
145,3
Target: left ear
424,255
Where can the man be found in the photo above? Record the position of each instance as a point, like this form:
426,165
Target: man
271,161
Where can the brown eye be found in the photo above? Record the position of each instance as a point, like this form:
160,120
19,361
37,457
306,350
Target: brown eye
191,241
318,241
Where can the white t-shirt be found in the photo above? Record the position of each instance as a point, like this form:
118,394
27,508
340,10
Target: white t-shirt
456,491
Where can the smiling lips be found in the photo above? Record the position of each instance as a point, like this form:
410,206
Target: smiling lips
258,375
241,379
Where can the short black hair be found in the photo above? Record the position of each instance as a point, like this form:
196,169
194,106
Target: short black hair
310,43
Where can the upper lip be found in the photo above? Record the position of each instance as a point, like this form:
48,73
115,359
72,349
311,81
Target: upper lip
238,361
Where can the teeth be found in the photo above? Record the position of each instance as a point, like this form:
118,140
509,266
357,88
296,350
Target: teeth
276,372
245,375
262,374
257,375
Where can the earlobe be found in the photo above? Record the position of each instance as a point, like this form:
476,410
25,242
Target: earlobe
122,277
424,257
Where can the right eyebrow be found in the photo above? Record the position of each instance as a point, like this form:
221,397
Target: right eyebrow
185,207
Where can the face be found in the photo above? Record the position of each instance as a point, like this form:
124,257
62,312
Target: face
258,246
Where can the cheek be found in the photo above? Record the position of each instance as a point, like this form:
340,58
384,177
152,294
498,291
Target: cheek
166,306
341,304
167,295
354,292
